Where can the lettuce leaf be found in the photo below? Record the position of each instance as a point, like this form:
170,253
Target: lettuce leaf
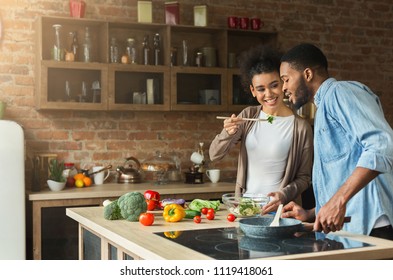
197,204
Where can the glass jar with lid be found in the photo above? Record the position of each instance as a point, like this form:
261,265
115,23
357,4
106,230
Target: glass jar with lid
161,169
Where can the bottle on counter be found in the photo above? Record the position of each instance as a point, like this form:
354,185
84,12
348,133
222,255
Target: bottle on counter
131,51
114,51
157,49
87,46
146,50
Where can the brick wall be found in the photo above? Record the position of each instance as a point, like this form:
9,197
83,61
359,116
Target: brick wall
357,37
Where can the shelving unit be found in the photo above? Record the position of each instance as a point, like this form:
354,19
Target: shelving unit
125,87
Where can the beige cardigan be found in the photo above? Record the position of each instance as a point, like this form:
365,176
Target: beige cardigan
297,176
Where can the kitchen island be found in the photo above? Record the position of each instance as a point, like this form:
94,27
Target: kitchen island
130,240
96,194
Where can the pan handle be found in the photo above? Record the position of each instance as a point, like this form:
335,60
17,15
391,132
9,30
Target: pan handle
308,227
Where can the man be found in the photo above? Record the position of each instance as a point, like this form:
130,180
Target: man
353,148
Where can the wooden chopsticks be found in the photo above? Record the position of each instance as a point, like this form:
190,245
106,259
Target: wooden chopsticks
244,119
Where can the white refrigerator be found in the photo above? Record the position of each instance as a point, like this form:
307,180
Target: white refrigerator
12,192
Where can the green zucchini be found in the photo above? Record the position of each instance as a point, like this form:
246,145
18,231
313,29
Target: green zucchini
190,214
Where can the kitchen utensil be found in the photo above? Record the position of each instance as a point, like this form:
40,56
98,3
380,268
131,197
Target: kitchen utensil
276,220
244,205
259,227
128,174
244,119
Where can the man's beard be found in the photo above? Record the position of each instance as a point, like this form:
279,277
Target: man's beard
303,95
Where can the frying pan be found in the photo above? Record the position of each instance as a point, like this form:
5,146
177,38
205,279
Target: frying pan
259,227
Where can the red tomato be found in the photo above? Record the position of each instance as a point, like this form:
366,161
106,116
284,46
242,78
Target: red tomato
211,210
146,219
151,204
210,215
204,210
231,217
197,219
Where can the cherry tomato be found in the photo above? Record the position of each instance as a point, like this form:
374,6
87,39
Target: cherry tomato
204,210
211,210
210,215
197,219
146,219
231,217
151,204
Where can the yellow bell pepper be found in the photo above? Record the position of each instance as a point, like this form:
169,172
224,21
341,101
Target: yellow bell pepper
173,213
173,234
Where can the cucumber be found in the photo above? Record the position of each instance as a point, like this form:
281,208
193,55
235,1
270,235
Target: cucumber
190,214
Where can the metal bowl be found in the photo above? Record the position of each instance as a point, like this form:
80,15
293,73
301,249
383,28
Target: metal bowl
245,205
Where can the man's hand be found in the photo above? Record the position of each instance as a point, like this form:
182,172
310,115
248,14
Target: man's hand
293,210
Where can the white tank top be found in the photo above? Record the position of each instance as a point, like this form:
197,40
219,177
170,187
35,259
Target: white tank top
267,146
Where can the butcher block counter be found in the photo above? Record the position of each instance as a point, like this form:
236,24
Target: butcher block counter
135,241
96,194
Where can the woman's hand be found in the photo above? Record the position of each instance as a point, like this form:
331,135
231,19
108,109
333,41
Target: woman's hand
277,198
231,125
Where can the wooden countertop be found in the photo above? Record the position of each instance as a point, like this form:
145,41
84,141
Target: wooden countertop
115,190
141,241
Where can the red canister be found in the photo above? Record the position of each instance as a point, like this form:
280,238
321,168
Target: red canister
244,22
233,22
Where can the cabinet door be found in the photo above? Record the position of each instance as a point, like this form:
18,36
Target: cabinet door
139,87
72,86
197,89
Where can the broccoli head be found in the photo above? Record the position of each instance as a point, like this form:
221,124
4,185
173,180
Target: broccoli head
112,211
131,205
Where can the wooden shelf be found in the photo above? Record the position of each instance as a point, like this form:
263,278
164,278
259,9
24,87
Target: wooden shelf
177,87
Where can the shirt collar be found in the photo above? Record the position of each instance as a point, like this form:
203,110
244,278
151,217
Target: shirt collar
323,89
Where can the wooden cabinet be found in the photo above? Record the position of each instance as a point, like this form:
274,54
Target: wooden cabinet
176,83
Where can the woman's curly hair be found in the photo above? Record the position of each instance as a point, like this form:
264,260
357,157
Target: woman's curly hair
258,60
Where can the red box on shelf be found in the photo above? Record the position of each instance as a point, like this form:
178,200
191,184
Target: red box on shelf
172,12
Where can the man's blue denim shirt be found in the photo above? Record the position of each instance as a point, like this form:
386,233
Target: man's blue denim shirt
351,131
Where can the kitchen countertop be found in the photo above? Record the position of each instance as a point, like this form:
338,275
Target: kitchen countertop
115,190
140,240
96,194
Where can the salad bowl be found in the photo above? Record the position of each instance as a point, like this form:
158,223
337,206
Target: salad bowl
245,205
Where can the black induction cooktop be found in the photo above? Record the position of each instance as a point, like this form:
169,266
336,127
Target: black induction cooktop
231,244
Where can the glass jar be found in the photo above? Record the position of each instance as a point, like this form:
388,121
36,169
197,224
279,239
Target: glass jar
131,51
69,170
161,169
114,51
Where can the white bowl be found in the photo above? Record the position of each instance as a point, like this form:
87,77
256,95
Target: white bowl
56,186
246,205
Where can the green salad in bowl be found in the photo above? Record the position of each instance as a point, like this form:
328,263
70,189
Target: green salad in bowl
245,205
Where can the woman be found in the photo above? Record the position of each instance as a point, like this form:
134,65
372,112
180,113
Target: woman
275,155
